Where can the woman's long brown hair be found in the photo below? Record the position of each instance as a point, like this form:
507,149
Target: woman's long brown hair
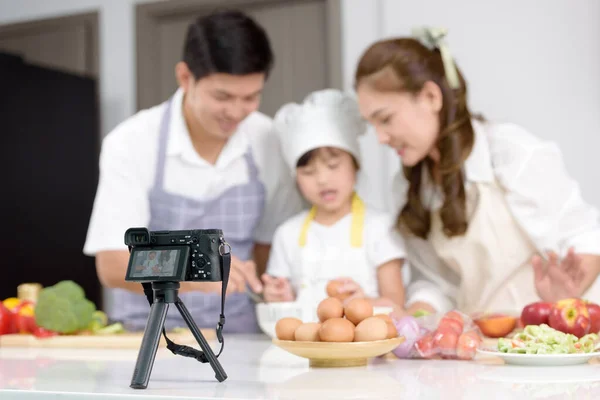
405,65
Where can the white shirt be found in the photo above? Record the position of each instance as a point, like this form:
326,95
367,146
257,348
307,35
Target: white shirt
128,164
543,198
328,254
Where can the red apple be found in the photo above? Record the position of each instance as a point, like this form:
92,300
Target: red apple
570,316
536,313
594,311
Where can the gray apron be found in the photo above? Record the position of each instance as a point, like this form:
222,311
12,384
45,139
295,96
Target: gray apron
236,211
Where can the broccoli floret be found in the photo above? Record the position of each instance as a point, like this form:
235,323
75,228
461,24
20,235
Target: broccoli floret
63,308
99,321
70,290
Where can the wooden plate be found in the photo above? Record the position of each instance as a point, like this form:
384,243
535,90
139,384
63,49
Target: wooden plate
328,354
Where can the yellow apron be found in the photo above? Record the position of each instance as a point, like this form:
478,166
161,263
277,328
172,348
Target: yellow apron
321,263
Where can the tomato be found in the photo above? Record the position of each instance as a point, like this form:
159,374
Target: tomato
446,342
467,345
450,324
473,334
425,346
454,315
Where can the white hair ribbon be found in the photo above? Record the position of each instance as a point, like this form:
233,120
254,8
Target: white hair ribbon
432,38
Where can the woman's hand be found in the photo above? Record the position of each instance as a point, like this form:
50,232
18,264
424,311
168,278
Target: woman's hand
277,289
558,279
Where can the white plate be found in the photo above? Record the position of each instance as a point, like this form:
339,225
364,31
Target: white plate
542,360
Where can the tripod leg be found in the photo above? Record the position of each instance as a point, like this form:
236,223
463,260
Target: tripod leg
210,355
149,346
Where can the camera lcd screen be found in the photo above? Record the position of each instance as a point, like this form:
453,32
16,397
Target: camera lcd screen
157,264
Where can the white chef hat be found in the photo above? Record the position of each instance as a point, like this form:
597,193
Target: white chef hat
326,118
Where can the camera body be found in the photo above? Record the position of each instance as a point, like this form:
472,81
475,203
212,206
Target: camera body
174,256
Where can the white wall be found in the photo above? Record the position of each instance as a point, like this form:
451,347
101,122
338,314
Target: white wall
542,71
533,65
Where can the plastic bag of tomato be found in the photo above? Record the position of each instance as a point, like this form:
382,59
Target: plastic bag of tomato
450,336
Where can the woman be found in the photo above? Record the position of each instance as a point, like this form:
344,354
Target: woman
489,214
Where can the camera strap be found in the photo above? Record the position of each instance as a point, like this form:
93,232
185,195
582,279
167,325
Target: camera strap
187,351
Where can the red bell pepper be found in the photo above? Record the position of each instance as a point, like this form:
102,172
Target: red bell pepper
6,323
25,318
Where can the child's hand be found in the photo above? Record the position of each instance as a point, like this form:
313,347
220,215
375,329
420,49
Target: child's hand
350,287
411,310
277,289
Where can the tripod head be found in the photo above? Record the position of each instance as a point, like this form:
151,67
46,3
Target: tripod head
166,291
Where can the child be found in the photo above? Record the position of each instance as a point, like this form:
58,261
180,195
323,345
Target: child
340,238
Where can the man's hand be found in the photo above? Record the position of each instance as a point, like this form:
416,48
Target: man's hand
277,289
243,273
558,279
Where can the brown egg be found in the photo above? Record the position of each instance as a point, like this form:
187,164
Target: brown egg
332,290
358,309
330,308
308,332
371,329
285,328
384,317
392,331
337,330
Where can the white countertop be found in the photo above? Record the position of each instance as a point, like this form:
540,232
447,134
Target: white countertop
258,370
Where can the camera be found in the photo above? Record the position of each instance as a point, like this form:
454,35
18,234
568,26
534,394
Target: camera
159,260
175,256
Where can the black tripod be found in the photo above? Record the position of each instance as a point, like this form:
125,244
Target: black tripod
165,293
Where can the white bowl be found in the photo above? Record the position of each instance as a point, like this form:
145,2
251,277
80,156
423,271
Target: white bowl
269,313
382,310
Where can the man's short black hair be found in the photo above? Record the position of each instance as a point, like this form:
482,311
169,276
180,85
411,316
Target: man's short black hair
227,42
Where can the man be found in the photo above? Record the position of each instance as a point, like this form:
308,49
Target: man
203,159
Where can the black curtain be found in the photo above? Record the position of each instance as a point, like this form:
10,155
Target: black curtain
49,125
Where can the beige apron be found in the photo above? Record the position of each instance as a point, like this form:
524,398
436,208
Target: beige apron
488,268
492,258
